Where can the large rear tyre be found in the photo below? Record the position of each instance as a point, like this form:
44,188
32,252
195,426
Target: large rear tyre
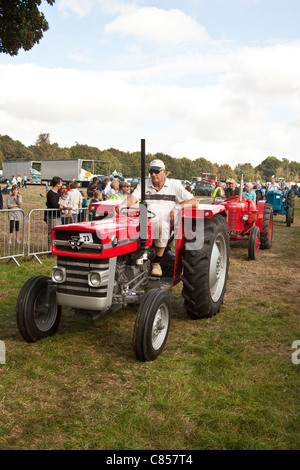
254,243
205,271
35,319
152,325
266,235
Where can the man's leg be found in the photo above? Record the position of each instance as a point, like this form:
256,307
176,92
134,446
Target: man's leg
160,245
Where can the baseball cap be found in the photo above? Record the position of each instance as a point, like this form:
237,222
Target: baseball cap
157,165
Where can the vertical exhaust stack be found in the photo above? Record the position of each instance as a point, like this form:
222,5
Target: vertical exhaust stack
143,203
241,189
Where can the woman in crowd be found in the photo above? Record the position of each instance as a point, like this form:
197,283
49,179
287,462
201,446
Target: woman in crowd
75,199
249,192
14,202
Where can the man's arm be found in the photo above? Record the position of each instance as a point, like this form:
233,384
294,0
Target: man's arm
126,203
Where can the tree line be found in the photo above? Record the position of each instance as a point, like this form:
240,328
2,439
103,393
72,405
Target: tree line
128,163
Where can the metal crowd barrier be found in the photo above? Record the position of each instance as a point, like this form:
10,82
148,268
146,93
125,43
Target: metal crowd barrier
12,247
37,236
36,242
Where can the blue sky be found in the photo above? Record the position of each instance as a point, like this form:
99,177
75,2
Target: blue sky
218,79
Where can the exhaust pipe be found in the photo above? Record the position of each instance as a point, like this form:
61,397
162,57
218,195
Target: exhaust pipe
241,188
143,203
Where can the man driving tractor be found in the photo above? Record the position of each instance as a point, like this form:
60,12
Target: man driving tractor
165,198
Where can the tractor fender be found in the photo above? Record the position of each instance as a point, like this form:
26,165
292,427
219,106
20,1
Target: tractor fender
260,214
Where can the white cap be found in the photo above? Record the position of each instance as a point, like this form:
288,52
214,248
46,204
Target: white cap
157,165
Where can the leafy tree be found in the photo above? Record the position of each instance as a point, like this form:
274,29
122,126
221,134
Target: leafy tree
225,172
14,149
21,25
268,168
245,169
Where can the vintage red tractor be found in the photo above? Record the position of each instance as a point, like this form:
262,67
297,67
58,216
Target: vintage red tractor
249,221
104,265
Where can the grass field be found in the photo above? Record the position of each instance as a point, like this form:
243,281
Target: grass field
223,383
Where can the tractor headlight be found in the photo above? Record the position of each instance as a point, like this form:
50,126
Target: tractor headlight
58,275
245,217
94,279
92,208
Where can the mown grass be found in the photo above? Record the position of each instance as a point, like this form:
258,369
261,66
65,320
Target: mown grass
223,383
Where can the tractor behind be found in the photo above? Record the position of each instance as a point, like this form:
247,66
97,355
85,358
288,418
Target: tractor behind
283,203
249,221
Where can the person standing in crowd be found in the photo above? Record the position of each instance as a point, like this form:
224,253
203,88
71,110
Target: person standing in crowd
232,189
45,190
249,193
273,186
94,182
123,193
24,182
66,214
107,183
75,199
1,199
53,217
219,191
114,187
89,200
14,202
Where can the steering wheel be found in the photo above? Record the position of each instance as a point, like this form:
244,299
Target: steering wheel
126,211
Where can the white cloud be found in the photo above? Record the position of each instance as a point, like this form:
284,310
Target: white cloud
158,26
227,115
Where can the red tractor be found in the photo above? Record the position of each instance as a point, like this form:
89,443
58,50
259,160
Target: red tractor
249,221
105,265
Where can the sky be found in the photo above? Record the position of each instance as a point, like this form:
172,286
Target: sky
218,79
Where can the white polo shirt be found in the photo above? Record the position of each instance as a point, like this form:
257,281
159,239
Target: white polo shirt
163,201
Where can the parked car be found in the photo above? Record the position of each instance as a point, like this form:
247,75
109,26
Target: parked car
203,188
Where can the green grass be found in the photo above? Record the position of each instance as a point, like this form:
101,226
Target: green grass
223,383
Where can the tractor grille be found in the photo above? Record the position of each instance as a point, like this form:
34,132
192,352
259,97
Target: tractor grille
232,220
63,239
77,276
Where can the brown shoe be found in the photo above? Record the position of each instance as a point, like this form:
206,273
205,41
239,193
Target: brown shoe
156,270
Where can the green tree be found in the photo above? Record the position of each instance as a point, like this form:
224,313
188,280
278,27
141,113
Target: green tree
225,172
21,25
268,168
245,169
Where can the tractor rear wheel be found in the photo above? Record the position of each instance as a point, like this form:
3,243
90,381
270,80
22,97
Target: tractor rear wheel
35,319
289,216
152,325
205,271
267,232
254,243
290,198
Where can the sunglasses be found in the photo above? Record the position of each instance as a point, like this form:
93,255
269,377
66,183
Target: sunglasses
154,171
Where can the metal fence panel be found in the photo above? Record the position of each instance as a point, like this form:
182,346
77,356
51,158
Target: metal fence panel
12,235
40,222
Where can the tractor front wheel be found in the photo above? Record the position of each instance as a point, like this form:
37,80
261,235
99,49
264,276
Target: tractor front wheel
152,325
205,271
38,314
254,243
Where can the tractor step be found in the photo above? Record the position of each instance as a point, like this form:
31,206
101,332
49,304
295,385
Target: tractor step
163,283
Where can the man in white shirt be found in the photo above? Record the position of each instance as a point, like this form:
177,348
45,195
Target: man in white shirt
165,197
273,186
